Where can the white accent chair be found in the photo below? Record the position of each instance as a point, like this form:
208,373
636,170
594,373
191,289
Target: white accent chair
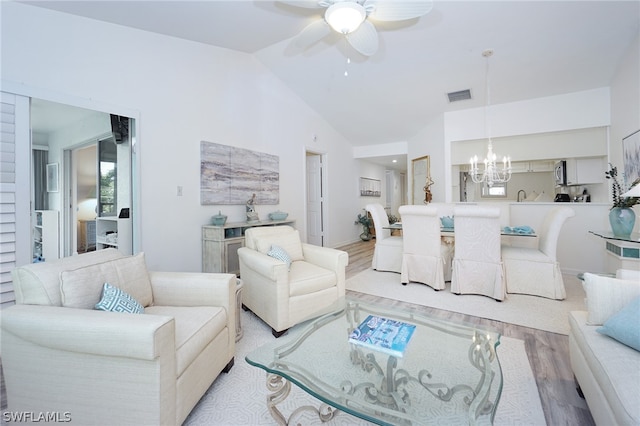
113,368
423,256
387,253
477,268
284,296
536,271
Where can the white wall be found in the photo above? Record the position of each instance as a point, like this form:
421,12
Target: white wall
579,110
625,106
182,93
429,142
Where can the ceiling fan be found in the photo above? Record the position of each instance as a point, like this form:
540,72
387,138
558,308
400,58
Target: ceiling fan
353,19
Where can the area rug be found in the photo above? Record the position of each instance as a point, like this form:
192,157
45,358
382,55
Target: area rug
239,397
528,311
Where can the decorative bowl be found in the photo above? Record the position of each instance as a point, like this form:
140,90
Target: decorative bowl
278,215
446,221
219,219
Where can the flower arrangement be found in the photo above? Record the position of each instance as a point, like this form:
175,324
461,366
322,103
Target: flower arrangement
617,191
366,223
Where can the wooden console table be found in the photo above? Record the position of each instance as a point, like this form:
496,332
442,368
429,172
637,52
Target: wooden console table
220,244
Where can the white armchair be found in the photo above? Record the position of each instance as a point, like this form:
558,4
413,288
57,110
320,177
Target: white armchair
387,253
283,295
477,268
536,271
61,355
423,257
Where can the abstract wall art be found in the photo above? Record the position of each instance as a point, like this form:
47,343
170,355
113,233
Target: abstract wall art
231,175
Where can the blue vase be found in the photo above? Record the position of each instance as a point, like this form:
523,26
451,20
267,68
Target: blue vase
622,220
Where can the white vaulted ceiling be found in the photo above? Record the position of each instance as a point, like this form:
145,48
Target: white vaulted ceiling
542,48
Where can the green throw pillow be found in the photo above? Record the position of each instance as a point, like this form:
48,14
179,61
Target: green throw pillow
625,325
115,300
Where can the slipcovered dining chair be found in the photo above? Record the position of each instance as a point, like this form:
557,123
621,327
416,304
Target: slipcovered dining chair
387,253
477,267
536,271
423,256
445,210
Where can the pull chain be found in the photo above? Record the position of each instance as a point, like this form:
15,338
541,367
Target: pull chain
346,67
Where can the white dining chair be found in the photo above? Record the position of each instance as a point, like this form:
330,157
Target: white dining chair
387,253
423,256
477,267
446,210
536,270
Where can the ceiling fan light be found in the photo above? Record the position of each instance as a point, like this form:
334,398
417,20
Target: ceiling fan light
345,17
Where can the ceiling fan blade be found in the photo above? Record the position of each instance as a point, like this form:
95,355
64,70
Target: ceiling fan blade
364,39
399,10
312,33
307,4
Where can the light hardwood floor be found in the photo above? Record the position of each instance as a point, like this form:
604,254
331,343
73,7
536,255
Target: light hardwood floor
548,352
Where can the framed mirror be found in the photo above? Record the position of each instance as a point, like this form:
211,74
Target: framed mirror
421,176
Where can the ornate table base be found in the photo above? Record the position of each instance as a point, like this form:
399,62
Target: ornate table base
280,388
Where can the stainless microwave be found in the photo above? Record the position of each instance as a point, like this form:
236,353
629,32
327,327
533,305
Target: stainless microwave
560,172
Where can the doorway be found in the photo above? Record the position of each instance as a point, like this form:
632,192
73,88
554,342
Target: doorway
315,178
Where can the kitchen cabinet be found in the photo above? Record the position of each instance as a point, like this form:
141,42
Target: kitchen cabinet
532,166
585,171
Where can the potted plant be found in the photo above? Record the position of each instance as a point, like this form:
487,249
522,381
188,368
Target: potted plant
621,215
365,221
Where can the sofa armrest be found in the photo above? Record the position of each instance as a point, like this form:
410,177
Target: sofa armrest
193,289
88,331
326,257
272,269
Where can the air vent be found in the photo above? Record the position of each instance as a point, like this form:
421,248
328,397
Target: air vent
461,95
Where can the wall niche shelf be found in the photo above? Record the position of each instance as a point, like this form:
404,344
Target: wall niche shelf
45,235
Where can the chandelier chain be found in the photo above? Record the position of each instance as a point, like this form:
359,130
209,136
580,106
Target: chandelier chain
492,173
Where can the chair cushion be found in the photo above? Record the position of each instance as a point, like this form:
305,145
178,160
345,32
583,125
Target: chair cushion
525,253
195,328
115,300
607,296
289,241
624,326
82,287
306,278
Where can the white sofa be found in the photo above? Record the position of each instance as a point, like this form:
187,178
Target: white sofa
607,371
99,367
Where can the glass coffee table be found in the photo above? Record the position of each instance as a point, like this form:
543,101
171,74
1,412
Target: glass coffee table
449,373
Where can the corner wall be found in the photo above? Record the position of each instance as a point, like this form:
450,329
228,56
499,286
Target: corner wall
181,92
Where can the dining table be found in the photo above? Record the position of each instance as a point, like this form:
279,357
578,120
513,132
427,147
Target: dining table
517,231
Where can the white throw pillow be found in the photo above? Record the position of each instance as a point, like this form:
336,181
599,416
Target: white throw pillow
606,296
289,241
82,287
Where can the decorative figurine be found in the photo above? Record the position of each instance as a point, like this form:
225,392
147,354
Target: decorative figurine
427,191
252,216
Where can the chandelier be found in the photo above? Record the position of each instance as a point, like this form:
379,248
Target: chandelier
492,173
